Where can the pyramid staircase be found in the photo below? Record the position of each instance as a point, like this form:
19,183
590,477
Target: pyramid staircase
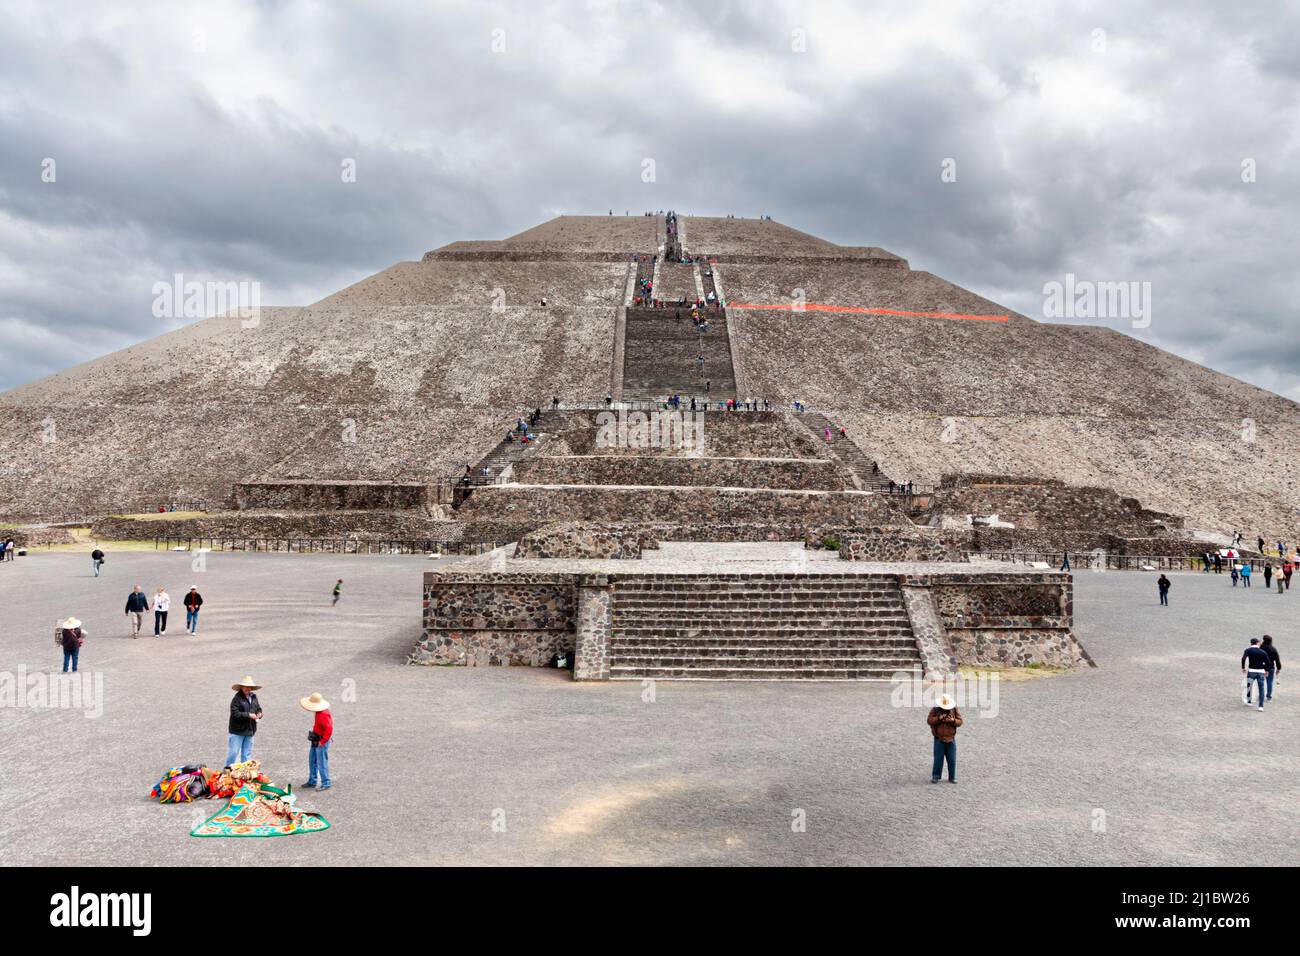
661,355
862,466
800,627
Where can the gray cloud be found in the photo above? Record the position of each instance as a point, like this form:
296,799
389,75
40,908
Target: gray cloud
223,161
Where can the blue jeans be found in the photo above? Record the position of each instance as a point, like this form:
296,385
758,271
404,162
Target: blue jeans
944,751
192,620
72,656
238,749
1270,685
1164,597
1253,678
96,565
318,764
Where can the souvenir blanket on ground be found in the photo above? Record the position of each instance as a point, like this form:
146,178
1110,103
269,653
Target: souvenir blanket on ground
260,810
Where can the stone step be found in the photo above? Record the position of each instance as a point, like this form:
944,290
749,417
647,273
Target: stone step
874,637
624,654
628,644
754,674
791,662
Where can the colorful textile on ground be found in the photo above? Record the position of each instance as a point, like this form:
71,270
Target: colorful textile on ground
228,782
183,785
260,810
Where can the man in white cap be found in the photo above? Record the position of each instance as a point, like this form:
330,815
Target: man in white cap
193,601
944,719
318,758
245,712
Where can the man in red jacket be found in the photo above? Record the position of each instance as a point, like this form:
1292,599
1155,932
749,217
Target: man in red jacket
318,759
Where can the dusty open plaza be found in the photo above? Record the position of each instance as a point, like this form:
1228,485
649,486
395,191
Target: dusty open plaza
1148,758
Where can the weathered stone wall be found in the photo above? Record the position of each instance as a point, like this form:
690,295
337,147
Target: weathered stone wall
803,474
481,619
900,544
1052,506
594,628
359,525
704,506
574,540
335,495
720,435
1006,620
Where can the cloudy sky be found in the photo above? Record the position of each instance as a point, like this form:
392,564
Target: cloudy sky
1111,141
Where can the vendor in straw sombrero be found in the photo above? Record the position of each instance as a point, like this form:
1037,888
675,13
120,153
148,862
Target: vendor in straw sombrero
70,638
944,719
245,712
318,758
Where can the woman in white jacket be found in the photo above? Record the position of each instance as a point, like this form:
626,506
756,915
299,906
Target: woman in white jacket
161,603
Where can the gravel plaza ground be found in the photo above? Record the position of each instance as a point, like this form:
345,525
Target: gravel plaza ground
426,759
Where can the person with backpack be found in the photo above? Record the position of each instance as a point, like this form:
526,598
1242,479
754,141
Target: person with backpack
1162,585
70,637
944,719
1254,666
193,601
136,605
1274,663
97,560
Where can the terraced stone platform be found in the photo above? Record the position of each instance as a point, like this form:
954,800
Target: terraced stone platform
745,611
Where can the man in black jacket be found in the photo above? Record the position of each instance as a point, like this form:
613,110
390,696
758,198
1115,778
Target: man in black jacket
245,712
136,605
97,560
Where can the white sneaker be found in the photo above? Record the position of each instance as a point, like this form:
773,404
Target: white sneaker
1261,710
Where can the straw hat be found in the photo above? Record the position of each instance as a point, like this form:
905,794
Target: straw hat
245,681
314,703
945,702
71,624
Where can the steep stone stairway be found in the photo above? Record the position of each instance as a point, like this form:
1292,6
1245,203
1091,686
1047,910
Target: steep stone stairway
506,453
661,355
861,465
811,627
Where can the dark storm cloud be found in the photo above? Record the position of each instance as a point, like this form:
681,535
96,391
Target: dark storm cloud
209,142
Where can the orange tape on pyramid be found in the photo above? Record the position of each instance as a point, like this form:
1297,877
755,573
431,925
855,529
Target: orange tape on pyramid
823,307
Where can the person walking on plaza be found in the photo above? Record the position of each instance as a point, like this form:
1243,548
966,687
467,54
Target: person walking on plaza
1245,574
1065,559
162,602
1162,585
338,591
97,560
1254,665
70,637
245,712
193,601
944,719
322,730
1218,563
136,605
1268,575
1274,663
1235,575
1287,569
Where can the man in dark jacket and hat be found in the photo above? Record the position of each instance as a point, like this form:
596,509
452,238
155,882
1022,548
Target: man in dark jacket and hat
944,719
245,712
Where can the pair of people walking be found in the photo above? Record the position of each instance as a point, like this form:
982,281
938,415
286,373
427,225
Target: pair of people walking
246,714
1260,664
